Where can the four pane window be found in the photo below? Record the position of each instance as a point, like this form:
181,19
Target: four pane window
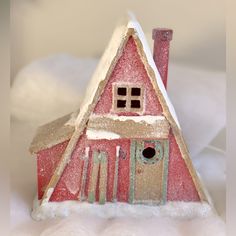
127,98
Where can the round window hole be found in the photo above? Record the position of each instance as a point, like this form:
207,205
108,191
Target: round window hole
149,152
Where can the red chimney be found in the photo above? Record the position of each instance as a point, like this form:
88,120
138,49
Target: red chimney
162,38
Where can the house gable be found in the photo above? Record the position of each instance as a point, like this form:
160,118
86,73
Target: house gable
129,71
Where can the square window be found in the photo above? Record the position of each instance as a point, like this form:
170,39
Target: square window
135,104
135,91
121,91
127,97
121,103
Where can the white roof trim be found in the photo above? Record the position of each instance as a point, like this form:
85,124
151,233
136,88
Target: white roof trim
135,25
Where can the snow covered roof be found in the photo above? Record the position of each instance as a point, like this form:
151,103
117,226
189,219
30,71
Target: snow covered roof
133,23
53,133
119,37
59,130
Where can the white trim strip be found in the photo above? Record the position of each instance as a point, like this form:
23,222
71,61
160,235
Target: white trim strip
116,174
84,176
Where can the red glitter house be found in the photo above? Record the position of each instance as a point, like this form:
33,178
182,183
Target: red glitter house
125,143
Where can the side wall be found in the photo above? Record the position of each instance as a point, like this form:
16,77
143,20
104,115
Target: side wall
47,161
69,186
180,184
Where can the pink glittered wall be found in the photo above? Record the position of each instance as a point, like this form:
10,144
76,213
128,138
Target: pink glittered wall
69,184
109,147
180,185
47,161
130,69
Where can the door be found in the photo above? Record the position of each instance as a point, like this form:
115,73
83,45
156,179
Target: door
149,166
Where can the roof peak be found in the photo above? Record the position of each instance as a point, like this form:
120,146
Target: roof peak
114,48
129,20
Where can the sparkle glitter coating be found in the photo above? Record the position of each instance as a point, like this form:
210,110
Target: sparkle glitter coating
109,166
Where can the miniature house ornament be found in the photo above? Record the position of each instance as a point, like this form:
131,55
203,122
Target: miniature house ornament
125,143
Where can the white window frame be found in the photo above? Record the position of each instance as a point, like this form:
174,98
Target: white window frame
128,97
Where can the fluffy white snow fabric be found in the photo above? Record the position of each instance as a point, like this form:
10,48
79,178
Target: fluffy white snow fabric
51,87
199,99
137,227
178,210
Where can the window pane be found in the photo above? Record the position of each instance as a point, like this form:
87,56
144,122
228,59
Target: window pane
135,91
121,91
135,104
121,103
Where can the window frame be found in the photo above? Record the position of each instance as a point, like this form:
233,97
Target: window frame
128,97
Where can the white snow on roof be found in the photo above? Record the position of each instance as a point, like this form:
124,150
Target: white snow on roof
148,119
133,23
107,58
101,134
101,70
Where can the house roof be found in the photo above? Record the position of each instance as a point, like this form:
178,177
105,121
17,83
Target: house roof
108,58
130,27
53,133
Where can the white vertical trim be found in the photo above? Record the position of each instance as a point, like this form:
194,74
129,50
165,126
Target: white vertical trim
84,174
103,178
116,173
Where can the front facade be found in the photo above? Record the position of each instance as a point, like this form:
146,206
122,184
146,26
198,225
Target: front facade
124,145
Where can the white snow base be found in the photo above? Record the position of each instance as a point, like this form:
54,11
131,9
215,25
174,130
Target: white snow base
122,219
178,210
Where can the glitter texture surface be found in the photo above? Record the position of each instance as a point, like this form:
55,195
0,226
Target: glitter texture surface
162,39
180,183
130,69
134,181
47,161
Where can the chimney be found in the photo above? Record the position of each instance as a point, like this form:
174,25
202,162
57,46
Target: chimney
162,38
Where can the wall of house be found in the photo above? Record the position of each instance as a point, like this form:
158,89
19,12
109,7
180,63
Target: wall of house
129,69
180,186
47,161
109,147
68,186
